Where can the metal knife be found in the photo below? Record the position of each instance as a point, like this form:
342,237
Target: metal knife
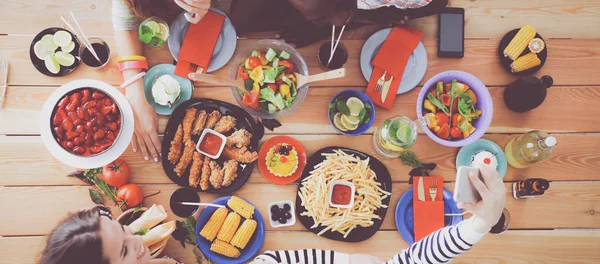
386,88
421,190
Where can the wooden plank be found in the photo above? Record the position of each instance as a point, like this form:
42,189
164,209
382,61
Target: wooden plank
572,109
575,158
572,246
565,205
571,62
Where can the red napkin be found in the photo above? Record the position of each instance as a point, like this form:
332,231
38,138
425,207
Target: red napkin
199,44
392,57
428,214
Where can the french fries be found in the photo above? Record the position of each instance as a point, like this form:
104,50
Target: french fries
368,198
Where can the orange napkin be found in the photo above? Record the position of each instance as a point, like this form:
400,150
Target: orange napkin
199,44
392,57
428,214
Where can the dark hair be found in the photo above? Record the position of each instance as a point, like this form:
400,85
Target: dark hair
76,240
147,8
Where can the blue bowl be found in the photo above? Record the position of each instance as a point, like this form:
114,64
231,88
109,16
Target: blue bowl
363,97
150,79
252,248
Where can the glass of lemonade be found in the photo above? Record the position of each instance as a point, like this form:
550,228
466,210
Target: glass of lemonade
396,135
154,31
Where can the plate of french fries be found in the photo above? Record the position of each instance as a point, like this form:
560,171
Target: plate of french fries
373,186
523,51
231,234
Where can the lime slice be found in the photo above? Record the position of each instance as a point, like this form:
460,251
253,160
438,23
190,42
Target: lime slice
51,64
40,51
69,47
163,33
350,121
62,38
338,123
153,26
48,43
355,105
404,133
64,58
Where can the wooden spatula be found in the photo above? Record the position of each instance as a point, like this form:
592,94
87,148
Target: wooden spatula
203,77
303,79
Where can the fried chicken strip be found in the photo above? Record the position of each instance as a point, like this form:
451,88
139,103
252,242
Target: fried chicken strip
200,121
195,169
176,146
225,124
240,138
216,175
240,154
230,168
205,174
188,122
185,160
213,118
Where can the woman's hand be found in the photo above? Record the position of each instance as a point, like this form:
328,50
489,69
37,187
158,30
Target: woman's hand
145,136
196,8
493,195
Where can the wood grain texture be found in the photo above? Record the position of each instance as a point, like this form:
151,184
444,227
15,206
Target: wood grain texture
571,62
565,205
574,158
572,246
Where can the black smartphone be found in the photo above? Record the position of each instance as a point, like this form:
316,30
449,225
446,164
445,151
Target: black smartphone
451,33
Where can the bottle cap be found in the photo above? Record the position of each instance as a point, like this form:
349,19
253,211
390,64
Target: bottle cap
547,81
550,141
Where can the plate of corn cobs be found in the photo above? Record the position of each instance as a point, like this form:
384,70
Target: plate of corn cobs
232,234
523,51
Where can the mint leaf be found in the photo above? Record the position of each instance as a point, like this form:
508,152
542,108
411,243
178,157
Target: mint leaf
343,108
96,197
361,114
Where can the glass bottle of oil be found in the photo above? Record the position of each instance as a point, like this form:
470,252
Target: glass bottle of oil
535,146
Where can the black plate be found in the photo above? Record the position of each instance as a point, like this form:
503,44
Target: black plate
244,120
39,64
506,61
359,233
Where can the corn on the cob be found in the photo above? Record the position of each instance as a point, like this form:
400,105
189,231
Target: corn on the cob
232,222
225,249
240,206
519,42
525,62
536,45
212,227
244,233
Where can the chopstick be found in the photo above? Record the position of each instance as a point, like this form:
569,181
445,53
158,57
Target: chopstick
336,43
332,40
82,35
201,204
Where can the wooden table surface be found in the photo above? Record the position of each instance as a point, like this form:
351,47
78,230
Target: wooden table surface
560,227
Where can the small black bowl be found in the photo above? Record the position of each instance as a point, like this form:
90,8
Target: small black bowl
184,195
39,64
505,61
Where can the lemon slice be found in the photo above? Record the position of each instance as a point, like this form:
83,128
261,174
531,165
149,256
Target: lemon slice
62,38
350,121
69,47
389,146
48,43
51,64
40,51
338,123
163,33
64,58
153,26
355,105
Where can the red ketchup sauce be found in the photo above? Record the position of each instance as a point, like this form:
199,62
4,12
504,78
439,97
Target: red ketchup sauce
211,144
341,194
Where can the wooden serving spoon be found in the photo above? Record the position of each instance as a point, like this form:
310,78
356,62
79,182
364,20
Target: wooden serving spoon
209,78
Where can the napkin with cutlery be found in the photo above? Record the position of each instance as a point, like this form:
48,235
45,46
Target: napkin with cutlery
391,59
428,212
199,44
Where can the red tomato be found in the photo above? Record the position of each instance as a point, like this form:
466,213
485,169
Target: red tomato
455,132
444,132
272,86
131,195
455,119
254,62
251,100
288,66
441,119
445,99
433,92
455,106
243,74
116,173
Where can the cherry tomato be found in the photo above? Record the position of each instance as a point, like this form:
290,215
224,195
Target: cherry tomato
288,66
243,74
433,92
455,132
441,119
272,86
251,100
116,173
444,132
445,99
254,62
131,195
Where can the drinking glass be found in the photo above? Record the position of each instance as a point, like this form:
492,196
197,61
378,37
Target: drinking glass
396,135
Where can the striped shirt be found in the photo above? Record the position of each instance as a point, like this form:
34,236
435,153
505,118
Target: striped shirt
402,4
438,247
123,17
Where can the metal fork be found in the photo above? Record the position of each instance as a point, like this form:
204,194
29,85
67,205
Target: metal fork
4,84
433,190
380,82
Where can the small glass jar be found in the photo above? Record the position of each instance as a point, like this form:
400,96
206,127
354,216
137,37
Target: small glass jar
396,135
102,51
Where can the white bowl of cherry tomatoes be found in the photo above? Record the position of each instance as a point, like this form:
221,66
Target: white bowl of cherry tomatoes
86,123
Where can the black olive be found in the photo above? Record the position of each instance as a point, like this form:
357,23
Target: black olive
275,217
275,209
287,207
282,220
287,215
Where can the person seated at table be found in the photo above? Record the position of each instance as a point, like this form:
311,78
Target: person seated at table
438,247
302,22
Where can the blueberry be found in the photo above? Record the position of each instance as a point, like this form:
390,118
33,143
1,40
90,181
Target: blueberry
287,215
287,207
275,209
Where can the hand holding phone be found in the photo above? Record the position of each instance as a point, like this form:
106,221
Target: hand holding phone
464,191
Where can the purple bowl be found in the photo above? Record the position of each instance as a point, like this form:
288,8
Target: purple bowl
484,102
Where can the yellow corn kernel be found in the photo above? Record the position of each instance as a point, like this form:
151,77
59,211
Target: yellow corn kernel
231,224
212,227
241,207
525,62
519,43
244,233
225,249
